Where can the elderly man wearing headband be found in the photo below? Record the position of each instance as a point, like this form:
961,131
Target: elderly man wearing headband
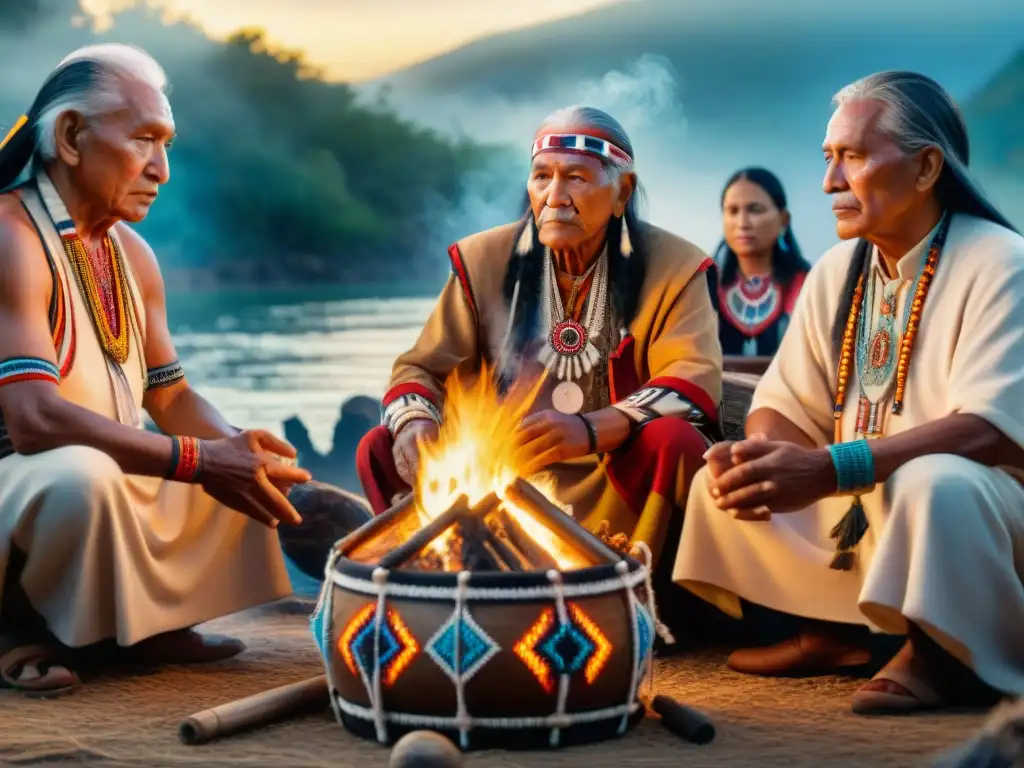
615,311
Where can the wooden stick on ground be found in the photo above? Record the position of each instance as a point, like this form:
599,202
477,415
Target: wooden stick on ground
288,701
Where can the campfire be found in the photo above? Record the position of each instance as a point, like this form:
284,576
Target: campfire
471,510
478,607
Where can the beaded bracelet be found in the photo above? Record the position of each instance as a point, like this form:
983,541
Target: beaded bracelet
185,459
591,432
855,467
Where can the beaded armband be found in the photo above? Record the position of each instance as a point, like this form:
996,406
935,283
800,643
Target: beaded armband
165,375
406,408
186,459
855,467
15,369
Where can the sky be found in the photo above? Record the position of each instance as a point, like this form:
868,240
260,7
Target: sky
357,40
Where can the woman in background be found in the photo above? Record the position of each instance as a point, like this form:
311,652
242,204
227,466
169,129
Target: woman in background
759,266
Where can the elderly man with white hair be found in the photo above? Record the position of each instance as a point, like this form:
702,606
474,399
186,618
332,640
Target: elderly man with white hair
110,534
880,484
613,314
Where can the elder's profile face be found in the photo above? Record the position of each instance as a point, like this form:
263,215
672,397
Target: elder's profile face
872,182
123,155
572,198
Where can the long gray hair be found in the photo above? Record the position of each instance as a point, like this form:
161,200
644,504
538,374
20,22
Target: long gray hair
88,81
918,113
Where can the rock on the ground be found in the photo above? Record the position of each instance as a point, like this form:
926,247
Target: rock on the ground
425,749
328,515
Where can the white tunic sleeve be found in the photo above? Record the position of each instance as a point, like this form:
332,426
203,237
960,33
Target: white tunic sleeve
987,372
799,383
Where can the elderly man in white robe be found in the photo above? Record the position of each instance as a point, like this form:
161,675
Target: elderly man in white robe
879,487
111,535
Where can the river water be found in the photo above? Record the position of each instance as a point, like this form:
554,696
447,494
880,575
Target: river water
264,357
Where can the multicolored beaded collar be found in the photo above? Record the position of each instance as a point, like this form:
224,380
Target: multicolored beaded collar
112,319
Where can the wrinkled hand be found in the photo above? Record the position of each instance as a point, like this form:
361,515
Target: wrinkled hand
756,477
246,473
406,451
548,437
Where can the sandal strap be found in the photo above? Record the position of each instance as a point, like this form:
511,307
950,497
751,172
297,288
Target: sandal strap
23,654
918,688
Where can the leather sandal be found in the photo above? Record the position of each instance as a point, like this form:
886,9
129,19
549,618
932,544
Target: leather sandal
36,669
895,691
803,655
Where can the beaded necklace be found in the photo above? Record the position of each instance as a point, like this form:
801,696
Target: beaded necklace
107,298
854,524
857,320
570,351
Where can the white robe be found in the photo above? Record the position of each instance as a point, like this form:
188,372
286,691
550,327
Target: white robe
110,555
945,547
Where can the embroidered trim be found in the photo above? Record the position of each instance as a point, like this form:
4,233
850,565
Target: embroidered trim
63,328
491,594
553,721
165,375
460,271
15,369
406,408
409,388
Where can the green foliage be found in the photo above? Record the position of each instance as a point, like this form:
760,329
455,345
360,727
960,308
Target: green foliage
277,174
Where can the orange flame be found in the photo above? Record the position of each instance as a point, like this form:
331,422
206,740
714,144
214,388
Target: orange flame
475,455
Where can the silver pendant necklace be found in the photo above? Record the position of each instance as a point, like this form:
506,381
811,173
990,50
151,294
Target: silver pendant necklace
570,351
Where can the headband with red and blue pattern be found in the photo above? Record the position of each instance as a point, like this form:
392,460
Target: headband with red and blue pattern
576,142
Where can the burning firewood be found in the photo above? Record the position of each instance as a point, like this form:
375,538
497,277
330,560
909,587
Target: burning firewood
618,541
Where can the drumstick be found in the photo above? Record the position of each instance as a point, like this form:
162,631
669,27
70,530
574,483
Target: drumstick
683,721
277,704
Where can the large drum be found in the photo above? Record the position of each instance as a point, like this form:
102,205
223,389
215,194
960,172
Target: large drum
531,658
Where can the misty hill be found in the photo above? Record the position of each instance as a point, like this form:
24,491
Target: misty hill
277,176
996,118
707,86
996,115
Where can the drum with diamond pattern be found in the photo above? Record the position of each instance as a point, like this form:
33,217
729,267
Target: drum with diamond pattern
490,659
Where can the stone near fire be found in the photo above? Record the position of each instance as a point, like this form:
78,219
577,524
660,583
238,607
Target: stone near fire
328,514
425,749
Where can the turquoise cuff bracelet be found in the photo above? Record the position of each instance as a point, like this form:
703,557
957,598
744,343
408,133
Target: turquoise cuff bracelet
855,467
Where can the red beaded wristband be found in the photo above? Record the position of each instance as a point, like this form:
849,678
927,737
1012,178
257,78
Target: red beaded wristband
185,459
